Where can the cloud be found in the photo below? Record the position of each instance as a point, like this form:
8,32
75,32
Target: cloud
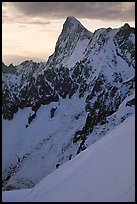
38,22
12,14
124,11
33,23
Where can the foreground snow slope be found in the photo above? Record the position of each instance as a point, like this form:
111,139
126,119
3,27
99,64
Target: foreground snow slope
105,171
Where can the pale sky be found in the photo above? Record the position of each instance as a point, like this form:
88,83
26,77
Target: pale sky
30,29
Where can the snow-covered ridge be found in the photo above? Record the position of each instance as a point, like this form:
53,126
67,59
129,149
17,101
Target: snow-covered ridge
104,172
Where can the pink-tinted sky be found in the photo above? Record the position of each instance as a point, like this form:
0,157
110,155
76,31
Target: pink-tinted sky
30,29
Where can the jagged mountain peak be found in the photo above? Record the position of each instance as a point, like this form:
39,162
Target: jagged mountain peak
71,18
72,25
26,62
73,32
11,65
8,69
126,26
71,21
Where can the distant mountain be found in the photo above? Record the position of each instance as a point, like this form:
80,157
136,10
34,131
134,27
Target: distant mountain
8,69
56,109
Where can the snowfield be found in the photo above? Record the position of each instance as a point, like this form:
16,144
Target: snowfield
104,172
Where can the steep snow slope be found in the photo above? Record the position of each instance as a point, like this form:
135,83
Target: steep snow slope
105,172
42,144
48,141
